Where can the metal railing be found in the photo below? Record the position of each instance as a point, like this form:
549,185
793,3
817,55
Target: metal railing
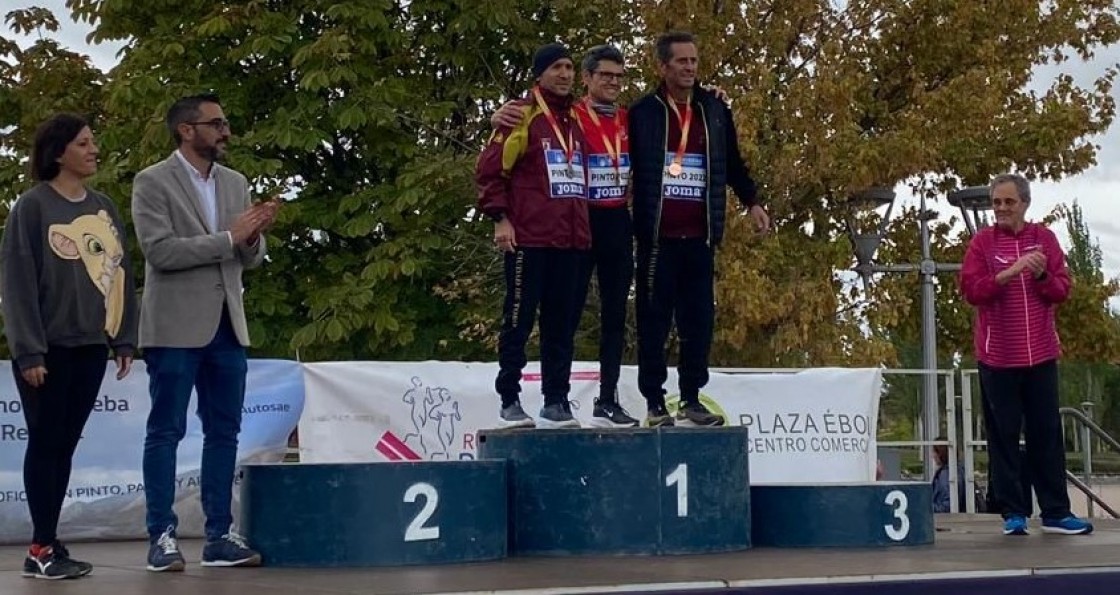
1090,495
1089,428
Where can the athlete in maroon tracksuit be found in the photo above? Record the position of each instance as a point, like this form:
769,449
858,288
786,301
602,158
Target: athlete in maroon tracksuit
532,182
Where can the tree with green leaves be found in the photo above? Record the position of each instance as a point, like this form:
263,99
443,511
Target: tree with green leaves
367,116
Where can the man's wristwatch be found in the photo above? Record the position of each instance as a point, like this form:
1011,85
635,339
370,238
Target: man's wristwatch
498,217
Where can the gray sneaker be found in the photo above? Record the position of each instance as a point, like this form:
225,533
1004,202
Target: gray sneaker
695,414
658,416
556,416
514,416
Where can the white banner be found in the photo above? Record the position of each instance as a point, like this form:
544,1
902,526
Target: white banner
816,426
105,497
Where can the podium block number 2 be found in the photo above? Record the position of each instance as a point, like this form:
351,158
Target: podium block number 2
679,478
416,531
896,499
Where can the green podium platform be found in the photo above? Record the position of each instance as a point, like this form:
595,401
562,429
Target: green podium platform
632,491
376,514
842,515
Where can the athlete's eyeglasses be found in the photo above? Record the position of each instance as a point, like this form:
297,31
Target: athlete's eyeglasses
611,76
218,124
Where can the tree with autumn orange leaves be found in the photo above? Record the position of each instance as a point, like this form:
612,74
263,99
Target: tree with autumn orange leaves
831,99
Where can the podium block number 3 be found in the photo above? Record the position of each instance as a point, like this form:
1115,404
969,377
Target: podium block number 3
896,499
679,478
416,531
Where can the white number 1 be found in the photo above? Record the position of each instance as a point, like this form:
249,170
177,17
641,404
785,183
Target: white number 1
416,531
679,477
897,500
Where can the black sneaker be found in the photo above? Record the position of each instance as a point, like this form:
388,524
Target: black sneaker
513,416
164,555
50,565
84,567
609,414
557,415
695,414
658,416
230,550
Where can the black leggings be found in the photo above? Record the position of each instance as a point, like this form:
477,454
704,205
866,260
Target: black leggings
56,412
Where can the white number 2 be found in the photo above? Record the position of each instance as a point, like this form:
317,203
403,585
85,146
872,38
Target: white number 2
679,477
416,531
897,500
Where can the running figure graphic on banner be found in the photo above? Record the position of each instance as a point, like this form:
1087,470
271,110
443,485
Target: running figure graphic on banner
434,412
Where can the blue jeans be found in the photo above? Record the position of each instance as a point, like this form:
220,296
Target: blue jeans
217,371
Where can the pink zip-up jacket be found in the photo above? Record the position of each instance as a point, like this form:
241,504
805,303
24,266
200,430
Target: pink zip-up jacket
1014,322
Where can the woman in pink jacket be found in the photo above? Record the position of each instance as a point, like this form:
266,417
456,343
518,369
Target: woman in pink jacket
1015,275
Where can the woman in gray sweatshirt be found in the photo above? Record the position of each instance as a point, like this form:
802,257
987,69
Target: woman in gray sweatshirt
67,295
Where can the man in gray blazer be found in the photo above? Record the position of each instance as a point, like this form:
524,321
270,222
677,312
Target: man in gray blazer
198,230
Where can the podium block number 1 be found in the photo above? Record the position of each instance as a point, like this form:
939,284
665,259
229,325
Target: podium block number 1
679,478
416,531
896,499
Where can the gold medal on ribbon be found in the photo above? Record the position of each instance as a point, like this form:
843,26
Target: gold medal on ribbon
568,147
685,121
613,151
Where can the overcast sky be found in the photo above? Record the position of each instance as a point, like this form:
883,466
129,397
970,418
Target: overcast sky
1096,190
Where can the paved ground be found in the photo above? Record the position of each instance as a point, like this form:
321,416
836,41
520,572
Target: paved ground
966,547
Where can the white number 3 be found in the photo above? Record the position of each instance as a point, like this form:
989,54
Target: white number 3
897,500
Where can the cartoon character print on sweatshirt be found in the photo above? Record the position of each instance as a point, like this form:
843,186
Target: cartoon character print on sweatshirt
96,242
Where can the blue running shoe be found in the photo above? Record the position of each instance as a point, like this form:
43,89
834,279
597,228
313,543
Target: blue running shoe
164,555
230,550
1015,525
1070,525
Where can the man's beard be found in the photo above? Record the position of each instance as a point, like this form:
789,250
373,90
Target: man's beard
211,152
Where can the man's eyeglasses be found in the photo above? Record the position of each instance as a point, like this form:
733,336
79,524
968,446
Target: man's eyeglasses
611,76
218,124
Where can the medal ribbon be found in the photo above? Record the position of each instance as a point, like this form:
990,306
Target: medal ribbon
567,146
615,151
685,123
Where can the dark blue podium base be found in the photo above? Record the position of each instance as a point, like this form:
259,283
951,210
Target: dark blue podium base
632,491
375,514
842,515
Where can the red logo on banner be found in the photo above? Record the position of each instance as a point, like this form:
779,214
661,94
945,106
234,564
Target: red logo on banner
395,449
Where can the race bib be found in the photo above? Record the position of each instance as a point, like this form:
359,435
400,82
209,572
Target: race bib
607,183
691,184
564,180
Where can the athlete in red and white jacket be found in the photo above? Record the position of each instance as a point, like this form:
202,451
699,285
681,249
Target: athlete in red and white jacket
1015,279
1015,275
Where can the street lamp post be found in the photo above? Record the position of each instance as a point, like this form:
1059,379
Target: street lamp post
972,201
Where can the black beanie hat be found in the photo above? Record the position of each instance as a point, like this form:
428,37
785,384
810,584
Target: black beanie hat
547,55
